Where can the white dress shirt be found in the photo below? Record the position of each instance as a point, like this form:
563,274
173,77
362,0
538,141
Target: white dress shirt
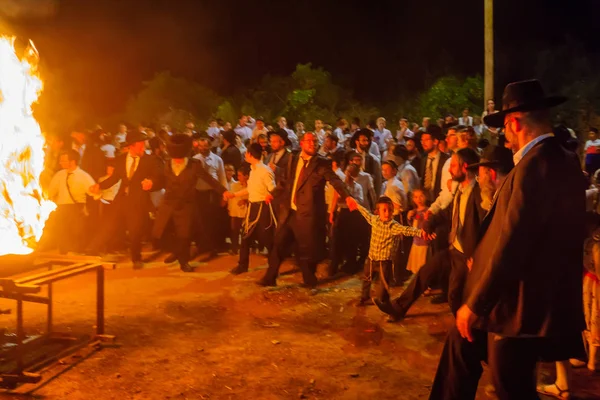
365,180
446,195
296,176
355,191
518,156
244,132
340,134
464,199
330,190
374,150
321,136
409,176
213,164
466,122
383,138
394,189
260,183
108,150
401,134
591,143
107,196
79,183
233,205
128,162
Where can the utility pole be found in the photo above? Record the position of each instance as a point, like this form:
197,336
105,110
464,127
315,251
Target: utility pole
489,51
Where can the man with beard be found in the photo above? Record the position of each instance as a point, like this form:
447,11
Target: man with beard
432,165
463,216
525,287
361,141
181,175
280,155
282,123
303,213
137,172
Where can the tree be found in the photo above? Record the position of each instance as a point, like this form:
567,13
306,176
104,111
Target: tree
165,99
450,95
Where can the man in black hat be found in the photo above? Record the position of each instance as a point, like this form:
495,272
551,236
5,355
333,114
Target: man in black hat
178,207
280,155
459,368
524,258
137,173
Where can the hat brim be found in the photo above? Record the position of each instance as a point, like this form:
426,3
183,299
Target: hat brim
484,164
286,139
496,120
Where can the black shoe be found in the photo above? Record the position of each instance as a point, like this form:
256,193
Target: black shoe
439,299
389,309
186,267
365,303
238,270
171,258
308,286
265,283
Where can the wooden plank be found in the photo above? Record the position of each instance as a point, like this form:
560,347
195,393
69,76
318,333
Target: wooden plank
26,297
44,274
10,286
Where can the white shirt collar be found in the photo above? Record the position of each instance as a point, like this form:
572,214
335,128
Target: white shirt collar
518,156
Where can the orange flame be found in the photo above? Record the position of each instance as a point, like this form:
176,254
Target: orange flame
23,208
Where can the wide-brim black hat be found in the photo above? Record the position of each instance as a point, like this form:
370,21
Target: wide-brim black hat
282,133
495,157
522,96
134,137
179,145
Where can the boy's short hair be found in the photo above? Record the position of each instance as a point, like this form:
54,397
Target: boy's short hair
244,169
229,166
385,200
255,150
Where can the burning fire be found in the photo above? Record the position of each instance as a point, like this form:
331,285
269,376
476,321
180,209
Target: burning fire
23,209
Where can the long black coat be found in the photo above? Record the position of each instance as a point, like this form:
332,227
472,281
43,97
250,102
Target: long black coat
527,268
232,156
179,202
282,166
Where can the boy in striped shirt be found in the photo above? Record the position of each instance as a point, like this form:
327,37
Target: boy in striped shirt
385,236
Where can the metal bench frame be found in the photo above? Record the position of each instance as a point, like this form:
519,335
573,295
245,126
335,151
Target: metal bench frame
27,288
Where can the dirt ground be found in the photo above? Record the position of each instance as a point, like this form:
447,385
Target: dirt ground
211,335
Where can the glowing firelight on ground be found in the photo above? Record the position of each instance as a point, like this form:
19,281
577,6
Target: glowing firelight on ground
23,210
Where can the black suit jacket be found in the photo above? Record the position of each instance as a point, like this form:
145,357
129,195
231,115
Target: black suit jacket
437,187
282,166
474,214
179,202
527,268
310,192
232,155
131,195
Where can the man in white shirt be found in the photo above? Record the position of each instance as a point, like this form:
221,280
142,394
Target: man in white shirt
365,180
120,136
383,136
243,130
214,131
370,164
69,189
208,201
403,132
466,119
319,131
260,129
406,172
260,218
393,188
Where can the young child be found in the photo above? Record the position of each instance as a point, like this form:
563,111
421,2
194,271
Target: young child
420,246
384,241
237,206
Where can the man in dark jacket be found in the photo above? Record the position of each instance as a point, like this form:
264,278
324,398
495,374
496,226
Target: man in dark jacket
178,207
303,212
525,285
137,172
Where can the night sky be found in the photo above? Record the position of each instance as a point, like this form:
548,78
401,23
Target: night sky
381,49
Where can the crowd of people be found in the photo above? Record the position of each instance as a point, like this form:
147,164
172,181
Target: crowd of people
490,209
